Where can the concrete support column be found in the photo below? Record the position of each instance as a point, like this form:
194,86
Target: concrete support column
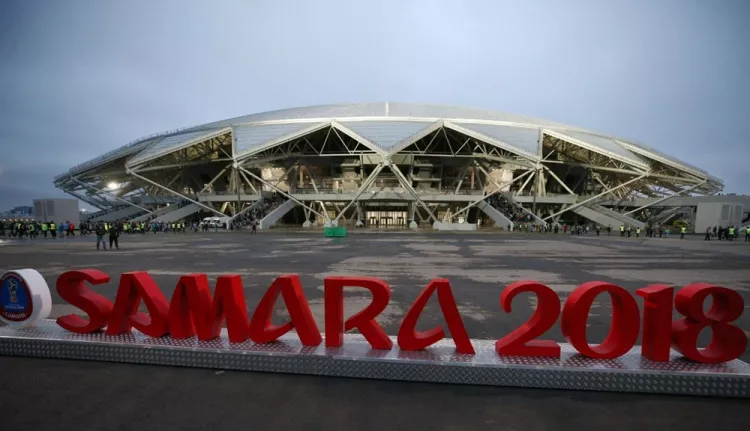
412,208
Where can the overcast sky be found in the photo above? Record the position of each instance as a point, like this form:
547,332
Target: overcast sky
78,78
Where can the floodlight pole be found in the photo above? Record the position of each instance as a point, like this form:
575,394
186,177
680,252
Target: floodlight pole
168,190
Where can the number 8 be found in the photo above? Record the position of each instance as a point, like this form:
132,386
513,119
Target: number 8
728,342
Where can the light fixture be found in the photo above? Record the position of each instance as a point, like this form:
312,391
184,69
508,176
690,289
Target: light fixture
112,186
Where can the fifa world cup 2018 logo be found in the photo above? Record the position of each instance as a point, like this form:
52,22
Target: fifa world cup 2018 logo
12,288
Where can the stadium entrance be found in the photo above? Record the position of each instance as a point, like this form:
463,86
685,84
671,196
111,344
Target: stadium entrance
386,216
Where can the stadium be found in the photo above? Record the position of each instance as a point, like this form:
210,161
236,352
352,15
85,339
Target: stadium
394,165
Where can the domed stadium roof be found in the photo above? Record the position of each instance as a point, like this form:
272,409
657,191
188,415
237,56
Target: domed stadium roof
386,128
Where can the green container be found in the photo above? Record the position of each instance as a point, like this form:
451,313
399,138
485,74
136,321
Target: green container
334,232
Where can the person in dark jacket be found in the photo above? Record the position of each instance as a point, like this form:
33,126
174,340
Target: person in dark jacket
100,231
114,235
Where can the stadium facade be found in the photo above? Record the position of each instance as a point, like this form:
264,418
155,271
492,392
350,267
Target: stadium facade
389,164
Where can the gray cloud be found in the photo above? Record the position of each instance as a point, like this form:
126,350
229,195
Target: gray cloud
82,77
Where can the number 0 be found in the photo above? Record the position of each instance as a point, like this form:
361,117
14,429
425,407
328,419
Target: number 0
625,320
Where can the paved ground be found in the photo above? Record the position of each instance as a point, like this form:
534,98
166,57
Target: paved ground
478,265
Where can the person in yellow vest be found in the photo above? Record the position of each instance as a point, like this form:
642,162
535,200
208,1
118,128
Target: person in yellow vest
53,229
682,232
45,227
622,230
731,233
747,234
637,232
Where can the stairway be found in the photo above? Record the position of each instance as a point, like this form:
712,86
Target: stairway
178,214
623,219
275,215
120,214
157,213
597,217
500,219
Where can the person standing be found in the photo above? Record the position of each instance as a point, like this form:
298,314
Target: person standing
682,232
114,235
730,236
708,234
747,234
100,231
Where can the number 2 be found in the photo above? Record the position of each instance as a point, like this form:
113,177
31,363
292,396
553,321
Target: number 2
521,342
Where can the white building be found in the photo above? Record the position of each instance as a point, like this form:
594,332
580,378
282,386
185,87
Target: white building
57,210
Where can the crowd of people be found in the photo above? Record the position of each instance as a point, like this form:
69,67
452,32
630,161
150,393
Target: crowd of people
729,233
514,212
23,228
252,217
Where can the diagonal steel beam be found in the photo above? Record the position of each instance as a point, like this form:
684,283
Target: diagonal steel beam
501,185
91,202
528,180
210,183
559,181
584,202
168,190
88,186
516,204
666,198
404,182
247,180
283,193
362,188
249,207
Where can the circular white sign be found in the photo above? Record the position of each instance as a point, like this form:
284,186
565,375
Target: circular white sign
24,298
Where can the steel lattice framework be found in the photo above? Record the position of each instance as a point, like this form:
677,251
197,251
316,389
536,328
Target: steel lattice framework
440,162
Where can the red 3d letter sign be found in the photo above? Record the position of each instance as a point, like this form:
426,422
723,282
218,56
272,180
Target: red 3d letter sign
194,312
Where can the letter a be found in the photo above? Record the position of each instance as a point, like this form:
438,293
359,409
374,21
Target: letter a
408,337
301,318
133,287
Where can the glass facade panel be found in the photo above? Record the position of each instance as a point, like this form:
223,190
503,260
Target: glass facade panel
387,134
169,144
607,145
249,138
525,139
